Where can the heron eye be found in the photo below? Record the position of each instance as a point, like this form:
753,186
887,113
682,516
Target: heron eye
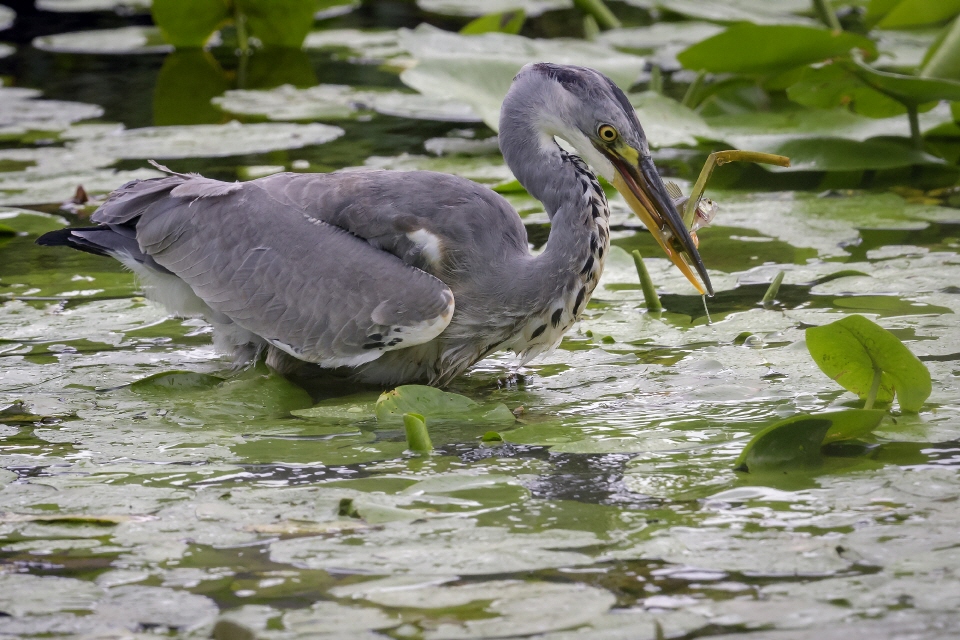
607,133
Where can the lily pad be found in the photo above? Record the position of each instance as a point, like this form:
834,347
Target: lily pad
349,409
7,17
472,9
334,102
433,404
755,11
202,141
83,6
30,222
123,40
853,350
22,111
769,49
797,441
659,35
668,123
367,46
479,69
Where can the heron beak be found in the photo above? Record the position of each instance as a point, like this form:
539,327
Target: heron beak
637,180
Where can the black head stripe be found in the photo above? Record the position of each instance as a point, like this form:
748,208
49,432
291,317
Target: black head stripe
570,78
621,97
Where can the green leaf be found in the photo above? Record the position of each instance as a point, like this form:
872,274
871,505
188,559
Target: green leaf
278,23
943,57
175,382
418,439
436,404
505,22
833,86
769,49
352,408
668,123
850,350
189,23
839,154
909,90
756,11
908,14
796,442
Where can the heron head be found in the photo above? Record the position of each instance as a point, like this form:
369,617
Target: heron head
587,110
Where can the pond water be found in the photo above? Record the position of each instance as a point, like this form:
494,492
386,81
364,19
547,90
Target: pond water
196,503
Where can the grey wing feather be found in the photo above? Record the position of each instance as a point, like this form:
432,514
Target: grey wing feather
474,225
309,288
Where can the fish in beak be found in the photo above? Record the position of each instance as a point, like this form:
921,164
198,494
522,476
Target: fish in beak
637,180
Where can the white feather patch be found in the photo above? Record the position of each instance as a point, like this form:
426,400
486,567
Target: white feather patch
430,246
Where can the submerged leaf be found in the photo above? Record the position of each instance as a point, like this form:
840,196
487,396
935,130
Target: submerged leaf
852,349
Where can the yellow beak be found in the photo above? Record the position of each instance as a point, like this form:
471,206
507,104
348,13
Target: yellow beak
640,185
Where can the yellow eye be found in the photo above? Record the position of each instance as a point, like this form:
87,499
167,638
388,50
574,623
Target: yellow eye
607,133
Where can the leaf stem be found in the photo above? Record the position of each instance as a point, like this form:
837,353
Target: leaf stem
874,388
599,12
771,293
827,14
693,91
646,283
716,159
915,126
656,79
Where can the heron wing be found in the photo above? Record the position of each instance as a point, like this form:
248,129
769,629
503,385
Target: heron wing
314,290
434,221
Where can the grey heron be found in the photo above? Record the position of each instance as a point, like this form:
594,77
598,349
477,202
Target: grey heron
395,277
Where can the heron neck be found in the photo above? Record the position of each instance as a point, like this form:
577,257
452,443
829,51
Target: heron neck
538,163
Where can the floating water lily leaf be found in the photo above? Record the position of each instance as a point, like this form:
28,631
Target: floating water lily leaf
21,111
123,40
471,8
367,45
175,382
202,141
755,130
432,403
334,102
768,49
352,408
31,222
668,123
839,154
7,17
659,35
853,350
797,441
78,6
504,22
189,23
478,69
755,11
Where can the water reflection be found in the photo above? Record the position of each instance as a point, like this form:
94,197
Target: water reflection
191,78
